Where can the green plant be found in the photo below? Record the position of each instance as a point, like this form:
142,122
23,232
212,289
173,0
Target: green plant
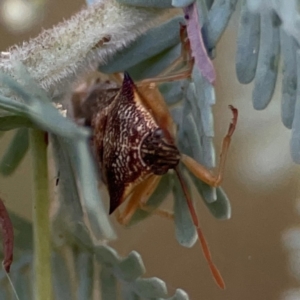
26,104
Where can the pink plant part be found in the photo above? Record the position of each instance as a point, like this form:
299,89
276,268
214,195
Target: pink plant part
199,52
7,235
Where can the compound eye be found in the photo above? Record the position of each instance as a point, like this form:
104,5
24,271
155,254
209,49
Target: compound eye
158,133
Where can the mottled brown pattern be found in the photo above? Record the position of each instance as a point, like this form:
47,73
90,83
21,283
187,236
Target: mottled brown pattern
127,141
97,98
159,154
119,131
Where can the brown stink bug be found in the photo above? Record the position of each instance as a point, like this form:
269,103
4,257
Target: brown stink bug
134,142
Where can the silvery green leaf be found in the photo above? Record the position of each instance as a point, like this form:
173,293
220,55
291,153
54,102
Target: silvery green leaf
12,106
179,295
182,3
196,144
291,239
85,268
23,261
128,293
29,84
295,140
190,107
60,274
69,216
69,220
268,59
23,283
69,196
148,3
131,267
107,255
149,288
108,285
202,11
15,152
200,146
154,65
41,112
247,44
289,82
192,134
16,87
81,233
47,117
84,166
4,292
159,195
205,98
14,122
217,20
185,230
23,233
177,114
220,208
154,42
172,91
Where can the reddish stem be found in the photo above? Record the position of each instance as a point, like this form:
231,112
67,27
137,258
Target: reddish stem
8,236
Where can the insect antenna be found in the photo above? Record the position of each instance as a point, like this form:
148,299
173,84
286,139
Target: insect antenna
206,252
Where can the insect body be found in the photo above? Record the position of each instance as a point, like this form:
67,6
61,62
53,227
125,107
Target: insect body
134,144
129,144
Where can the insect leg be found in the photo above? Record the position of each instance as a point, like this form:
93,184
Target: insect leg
200,171
214,270
141,193
180,68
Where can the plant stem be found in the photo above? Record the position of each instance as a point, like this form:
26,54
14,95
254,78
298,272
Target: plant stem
41,222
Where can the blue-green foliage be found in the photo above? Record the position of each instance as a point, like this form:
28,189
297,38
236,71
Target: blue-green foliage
258,48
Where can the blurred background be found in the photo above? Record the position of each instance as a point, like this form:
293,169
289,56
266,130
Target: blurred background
257,250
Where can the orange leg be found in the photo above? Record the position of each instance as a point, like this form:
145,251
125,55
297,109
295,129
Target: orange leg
138,198
181,68
200,171
214,270
157,211
205,175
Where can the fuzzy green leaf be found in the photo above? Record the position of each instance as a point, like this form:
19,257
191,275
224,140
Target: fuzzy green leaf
84,165
220,208
268,60
217,20
247,44
157,40
154,65
61,275
14,122
15,152
182,3
148,3
85,268
186,233
23,232
131,267
289,82
107,255
150,287
179,295
108,285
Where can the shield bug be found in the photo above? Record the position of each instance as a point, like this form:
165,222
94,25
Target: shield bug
134,141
